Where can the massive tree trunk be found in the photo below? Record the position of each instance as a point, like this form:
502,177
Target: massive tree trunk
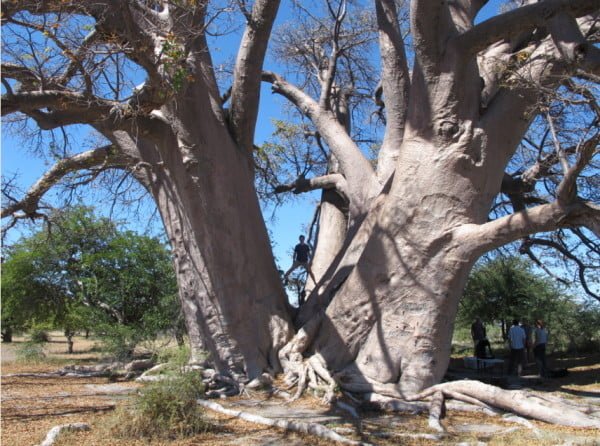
392,320
232,298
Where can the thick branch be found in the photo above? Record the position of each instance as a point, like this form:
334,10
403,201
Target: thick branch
478,239
395,83
103,157
333,181
245,91
567,189
514,22
55,99
24,75
572,45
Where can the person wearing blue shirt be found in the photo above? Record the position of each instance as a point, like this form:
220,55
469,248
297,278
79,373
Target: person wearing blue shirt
517,340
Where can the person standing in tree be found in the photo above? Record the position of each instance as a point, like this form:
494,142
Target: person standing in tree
516,340
301,258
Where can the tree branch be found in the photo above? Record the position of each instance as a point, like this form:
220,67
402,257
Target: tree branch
478,239
567,189
581,267
329,77
332,181
353,164
514,22
395,83
245,92
103,157
572,44
55,99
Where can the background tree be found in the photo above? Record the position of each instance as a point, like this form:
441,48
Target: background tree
503,289
81,273
382,316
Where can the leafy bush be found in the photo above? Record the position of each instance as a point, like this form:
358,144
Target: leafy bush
119,341
39,334
165,409
177,356
30,352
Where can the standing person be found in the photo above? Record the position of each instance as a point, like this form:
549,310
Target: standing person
301,258
516,340
528,340
478,335
539,349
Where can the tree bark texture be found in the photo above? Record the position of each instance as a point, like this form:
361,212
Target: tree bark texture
233,301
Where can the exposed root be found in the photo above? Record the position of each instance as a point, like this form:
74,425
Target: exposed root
385,403
53,433
520,402
288,425
436,412
302,383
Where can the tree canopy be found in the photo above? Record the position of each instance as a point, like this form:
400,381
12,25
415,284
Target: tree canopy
80,272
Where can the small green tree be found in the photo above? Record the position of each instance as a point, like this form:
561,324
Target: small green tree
81,272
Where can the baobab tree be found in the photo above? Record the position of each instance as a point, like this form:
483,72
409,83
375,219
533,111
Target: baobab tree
381,317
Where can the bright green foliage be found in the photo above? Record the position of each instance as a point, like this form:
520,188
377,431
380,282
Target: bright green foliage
82,273
507,288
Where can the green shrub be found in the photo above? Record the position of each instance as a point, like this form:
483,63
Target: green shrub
39,334
166,409
176,357
30,352
119,341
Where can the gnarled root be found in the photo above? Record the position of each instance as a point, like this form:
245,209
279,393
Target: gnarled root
436,412
288,425
524,403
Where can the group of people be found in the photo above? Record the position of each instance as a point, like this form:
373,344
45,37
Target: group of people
519,339
520,343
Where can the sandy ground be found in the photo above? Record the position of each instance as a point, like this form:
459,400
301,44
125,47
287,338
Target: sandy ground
31,405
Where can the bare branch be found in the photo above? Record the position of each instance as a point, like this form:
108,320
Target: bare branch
567,189
328,77
93,108
572,44
478,239
353,164
332,181
103,157
395,84
581,267
514,22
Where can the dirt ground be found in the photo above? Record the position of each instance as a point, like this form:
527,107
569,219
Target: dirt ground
32,405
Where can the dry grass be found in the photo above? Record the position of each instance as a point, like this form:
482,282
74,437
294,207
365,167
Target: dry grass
33,405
